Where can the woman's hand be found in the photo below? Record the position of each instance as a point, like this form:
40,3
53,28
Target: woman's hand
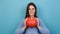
24,28
39,27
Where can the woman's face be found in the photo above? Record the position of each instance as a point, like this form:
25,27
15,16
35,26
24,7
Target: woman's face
31,10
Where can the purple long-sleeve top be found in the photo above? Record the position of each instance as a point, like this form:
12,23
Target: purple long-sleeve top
44,29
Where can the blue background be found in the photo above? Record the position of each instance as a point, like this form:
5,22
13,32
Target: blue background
13,11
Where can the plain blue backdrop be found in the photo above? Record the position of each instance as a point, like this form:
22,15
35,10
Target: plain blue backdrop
13,11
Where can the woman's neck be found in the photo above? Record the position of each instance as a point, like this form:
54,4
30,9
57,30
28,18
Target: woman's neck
31,17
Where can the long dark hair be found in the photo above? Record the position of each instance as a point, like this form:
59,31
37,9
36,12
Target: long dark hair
27,10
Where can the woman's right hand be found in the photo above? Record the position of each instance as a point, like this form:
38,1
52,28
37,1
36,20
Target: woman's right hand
23,28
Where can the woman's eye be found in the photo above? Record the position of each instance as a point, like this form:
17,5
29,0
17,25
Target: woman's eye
32,8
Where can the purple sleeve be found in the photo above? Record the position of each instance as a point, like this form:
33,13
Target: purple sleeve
44,29
19,29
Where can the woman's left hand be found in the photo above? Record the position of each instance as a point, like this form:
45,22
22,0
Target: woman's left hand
39,27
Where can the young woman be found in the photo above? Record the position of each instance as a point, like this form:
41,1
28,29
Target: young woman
31,12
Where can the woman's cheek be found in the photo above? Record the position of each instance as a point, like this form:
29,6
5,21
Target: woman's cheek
33,12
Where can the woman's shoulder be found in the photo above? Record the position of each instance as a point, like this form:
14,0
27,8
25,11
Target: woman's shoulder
39,19
26,19
36,18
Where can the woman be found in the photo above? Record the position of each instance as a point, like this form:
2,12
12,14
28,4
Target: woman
31,12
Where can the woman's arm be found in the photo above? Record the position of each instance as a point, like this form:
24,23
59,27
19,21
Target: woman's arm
24,27
19,28
44,29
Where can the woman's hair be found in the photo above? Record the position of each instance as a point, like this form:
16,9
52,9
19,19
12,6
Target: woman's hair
27,10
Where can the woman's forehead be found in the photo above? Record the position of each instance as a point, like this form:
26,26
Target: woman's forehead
31,6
